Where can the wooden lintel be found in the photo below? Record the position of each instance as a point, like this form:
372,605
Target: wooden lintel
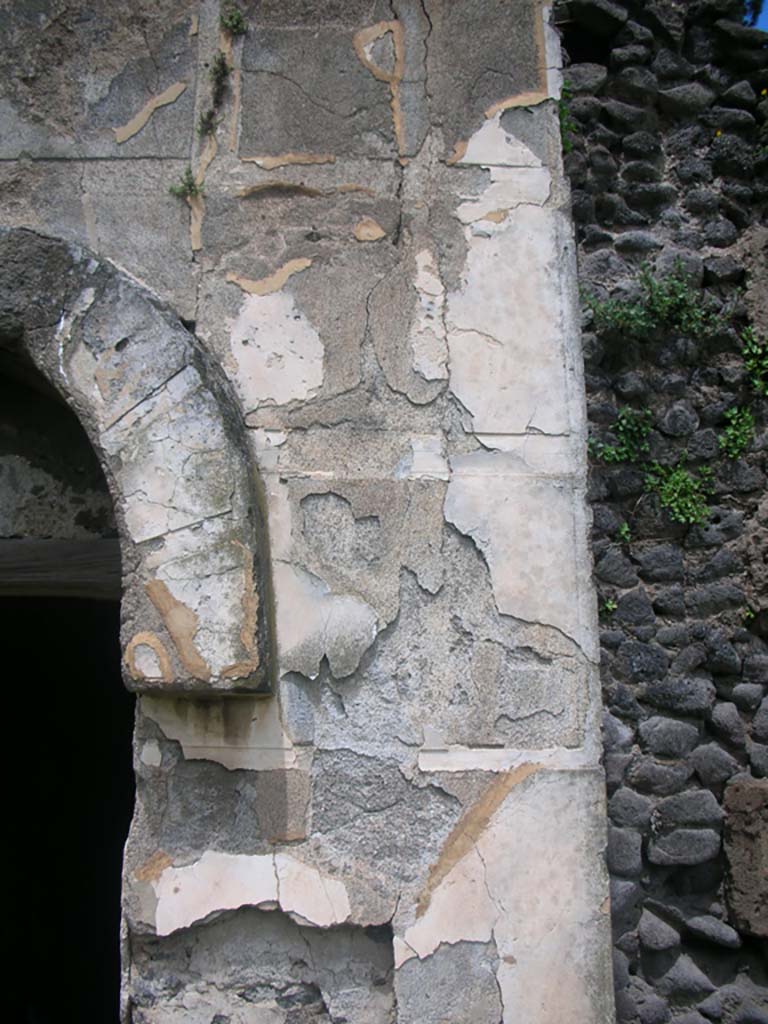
60,568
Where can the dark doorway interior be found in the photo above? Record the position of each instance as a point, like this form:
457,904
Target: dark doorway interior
69,729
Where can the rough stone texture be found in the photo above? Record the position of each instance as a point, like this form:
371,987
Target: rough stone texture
664,167
746,850
380,324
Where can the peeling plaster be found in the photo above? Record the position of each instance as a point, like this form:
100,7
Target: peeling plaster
278,353
426,460
369,230
363,42
146,657
134,126
238,733
521,870
313,623
222,881
181,622
273,282
428,336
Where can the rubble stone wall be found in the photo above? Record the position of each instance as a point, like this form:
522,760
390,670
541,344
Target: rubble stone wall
668,164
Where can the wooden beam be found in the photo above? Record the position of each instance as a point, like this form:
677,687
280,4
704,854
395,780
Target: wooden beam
60,568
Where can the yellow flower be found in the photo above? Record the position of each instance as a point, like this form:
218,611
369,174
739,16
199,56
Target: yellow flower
718,132
764,92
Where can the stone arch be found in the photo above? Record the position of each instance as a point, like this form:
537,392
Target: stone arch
196,609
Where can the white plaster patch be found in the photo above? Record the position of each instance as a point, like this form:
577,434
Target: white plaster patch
492,146
531,879
426,460
528,530
278,353
237,733
313,623
506,345
223,881
428,341
151,755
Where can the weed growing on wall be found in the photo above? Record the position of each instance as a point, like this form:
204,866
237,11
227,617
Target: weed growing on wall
737,436
755,354
671,302
207,123
219,73
232,20
631,430
624,533
186,187
682,494
568,126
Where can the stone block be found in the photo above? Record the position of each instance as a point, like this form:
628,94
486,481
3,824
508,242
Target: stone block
746,850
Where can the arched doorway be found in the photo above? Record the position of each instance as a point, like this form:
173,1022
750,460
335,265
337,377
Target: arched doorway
69,717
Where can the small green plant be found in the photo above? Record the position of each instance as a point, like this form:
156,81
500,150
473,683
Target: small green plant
748,616
624,533
755,354
671,301
737,436
187,187
568,126
219,73
682,494
632,429
232,20
207,123
608,607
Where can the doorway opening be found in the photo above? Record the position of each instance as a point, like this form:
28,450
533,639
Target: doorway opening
70,726
69,718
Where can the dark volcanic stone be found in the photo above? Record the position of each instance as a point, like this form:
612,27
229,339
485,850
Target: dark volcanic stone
726,722
624,852
641,145
713,598
684,100
684,846
684,695
634,608
662,563
667,737
710,929
723,270
641,242
713,765
694,807
741,95
655,934
629,809
747,696
587,78
640,662
615,568
650,776
649,197
724,524
720,233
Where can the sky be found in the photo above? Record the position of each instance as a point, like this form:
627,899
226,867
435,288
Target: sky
762,21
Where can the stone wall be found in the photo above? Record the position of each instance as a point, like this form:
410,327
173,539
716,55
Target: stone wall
668,161
358,212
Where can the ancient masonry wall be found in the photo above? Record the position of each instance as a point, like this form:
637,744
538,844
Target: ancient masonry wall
374,270
668,163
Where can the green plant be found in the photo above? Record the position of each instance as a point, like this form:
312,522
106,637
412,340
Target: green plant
187,187
624,533
737,436
749,614
219,73
683,495
232,20
608,607
207,123
671,301
568,126
755,354
632,429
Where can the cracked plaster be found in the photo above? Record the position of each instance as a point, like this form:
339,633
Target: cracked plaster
413,400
